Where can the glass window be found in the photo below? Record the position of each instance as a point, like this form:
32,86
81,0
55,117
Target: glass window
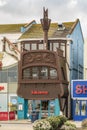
27,46
34,46
40,46
44,73
13,102
55,46
77,108
26,73
62,47
53,73
3,103
83,108
51,46
13,74
35,72
45,105
52,107
3,76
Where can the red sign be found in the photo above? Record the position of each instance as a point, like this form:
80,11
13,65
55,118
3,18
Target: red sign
7,115
34,92
11,115
81,89
3,115
1,88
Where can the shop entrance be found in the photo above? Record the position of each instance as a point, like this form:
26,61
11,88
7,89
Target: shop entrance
45,108
79,109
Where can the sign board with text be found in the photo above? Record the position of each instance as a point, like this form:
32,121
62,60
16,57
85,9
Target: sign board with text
3,87
79,89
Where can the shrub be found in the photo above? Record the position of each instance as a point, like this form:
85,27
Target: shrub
41,125
56,121
63,119
84,123
50,123
68,126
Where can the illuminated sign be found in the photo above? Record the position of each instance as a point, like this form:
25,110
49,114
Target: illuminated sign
79,89
34,92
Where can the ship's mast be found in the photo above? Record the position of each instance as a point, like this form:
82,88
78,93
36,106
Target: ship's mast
45,22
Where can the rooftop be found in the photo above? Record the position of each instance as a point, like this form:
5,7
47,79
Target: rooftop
11,28
36,31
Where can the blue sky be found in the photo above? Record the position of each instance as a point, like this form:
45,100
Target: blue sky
20,11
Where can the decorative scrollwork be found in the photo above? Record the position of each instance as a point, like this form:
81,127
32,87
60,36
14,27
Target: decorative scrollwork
30,58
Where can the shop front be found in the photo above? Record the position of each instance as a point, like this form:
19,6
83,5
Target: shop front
79,97
44,108
5,113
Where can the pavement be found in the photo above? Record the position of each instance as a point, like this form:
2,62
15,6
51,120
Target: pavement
16,124
26,121
20,121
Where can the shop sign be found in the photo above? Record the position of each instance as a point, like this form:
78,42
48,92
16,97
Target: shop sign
14,101
3,87
79,89
5,115
34,92
52,103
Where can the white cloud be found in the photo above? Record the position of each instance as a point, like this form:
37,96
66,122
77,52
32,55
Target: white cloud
12,11
2,2
72,3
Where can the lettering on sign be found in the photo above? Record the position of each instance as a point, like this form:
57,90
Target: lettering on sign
81,89
1,88
39,92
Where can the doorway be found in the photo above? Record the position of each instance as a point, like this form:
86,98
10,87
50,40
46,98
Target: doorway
79,109
44,107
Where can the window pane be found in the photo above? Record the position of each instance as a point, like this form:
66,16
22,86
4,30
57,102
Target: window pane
44,73
51,44
83,108
26,73
13,74
52,107
35,72
55,46
3,76
40,46
33,46
3,103
53,73
27,46
77,108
